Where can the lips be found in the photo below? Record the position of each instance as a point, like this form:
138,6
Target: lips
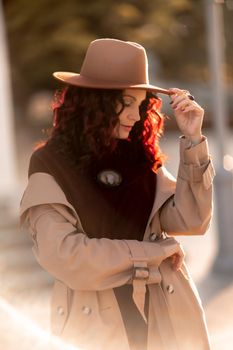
127,127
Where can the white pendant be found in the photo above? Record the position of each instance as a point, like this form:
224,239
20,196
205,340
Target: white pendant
109,178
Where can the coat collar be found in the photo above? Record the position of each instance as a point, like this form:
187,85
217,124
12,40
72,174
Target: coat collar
166,184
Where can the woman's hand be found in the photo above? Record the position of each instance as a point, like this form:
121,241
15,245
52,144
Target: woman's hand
177,259
172,250
189,115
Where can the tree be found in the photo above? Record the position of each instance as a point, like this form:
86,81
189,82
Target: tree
49,35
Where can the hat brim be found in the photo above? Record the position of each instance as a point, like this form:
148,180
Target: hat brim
83,81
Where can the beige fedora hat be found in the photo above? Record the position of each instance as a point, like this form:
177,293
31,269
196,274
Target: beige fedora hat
112,64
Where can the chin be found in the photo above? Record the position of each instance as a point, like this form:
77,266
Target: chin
123,135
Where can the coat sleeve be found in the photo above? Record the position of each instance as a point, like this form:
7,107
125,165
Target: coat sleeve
189,210
85,263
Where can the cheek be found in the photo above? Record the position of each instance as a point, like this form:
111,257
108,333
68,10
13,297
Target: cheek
122,116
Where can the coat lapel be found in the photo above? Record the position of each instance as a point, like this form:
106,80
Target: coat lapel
50,192
166,185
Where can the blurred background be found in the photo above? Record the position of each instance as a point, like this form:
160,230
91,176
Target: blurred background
189,45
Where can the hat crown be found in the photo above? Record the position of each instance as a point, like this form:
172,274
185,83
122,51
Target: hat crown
116,61
112,64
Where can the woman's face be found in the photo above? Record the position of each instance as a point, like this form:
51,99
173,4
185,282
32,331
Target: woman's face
130,115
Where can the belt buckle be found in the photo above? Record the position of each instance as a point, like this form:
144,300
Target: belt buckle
140,273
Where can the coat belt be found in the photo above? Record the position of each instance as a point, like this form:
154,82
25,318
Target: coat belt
140,275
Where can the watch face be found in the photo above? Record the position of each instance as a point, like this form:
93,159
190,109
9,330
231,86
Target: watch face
109,178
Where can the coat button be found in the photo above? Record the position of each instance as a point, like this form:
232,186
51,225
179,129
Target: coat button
153,236
170,288
86,310
60,311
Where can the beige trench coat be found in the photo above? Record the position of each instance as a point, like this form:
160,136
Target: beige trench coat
84,310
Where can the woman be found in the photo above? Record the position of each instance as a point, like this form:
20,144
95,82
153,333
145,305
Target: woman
101,208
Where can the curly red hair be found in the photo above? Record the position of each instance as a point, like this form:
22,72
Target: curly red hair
84,120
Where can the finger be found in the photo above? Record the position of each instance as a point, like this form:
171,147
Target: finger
187,109
175,262
177,98
183,104
176,95
181,96
193,107
178,91
179,262
178,259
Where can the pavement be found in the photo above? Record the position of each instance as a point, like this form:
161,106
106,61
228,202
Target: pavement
25,288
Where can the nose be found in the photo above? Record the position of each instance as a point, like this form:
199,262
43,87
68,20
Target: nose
134,115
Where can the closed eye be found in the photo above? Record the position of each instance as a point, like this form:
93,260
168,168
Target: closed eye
130,100
127,102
